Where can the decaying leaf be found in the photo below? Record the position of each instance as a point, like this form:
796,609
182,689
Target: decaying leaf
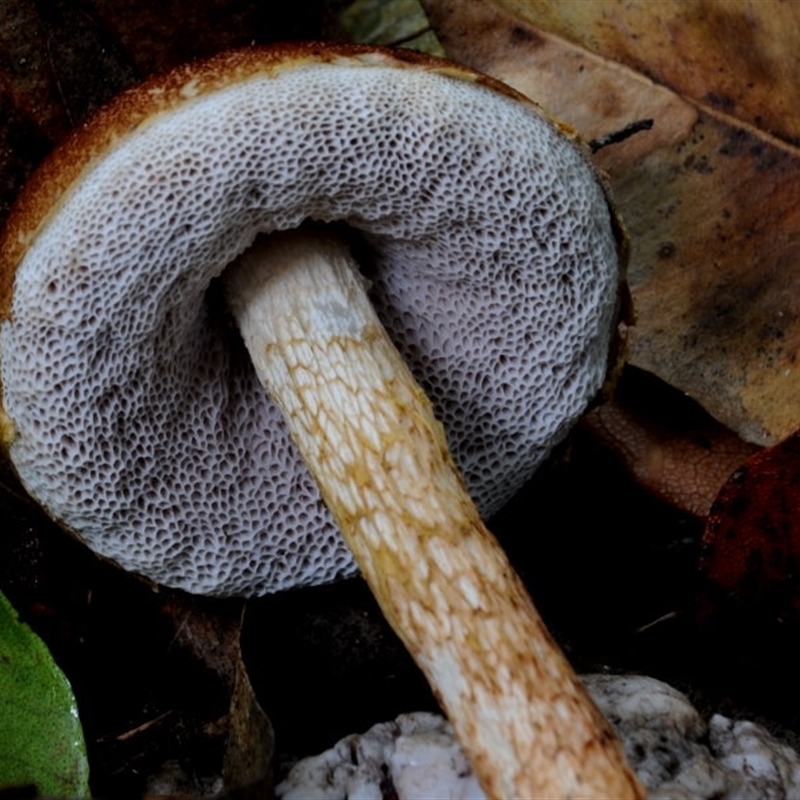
389,22
712,203
751,544
739,57
674,450
211,634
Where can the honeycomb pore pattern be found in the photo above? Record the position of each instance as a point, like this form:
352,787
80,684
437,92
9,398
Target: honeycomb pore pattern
139,423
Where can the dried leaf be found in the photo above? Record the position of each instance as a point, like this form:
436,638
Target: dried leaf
739,57
751,544
210,633
674,450
712,204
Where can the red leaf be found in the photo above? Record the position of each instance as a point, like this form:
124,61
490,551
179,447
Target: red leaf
751,545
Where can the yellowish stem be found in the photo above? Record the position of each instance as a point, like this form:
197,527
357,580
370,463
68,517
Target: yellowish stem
369,437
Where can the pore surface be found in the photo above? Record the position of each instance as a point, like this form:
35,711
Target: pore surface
140,424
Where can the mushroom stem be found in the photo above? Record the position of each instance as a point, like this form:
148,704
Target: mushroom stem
370,438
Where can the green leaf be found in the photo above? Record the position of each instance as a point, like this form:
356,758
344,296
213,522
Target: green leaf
389,22
41,741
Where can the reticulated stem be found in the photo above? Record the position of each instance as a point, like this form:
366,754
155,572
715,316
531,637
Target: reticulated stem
369,437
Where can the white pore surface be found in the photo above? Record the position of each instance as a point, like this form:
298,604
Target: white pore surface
140,423
675,753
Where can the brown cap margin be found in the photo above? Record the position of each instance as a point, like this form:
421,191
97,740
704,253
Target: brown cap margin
49,185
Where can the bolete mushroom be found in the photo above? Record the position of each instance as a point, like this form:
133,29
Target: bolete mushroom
133,414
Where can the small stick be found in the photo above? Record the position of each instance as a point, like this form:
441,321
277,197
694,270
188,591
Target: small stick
621,135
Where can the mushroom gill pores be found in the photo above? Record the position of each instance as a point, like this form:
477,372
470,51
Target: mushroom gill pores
135,409
131,410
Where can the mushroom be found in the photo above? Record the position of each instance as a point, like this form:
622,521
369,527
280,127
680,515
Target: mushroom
131,411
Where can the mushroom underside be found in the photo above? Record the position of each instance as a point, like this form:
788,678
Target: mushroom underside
135,408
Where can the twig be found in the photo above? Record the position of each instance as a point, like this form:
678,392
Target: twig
620,135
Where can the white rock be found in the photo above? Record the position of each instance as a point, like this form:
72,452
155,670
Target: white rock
416,755
676,754
765,767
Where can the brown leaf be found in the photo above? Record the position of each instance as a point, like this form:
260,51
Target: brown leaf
210,632
674,450
751,544
739,57
712,203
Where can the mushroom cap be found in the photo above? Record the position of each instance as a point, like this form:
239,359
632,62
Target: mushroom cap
131,411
